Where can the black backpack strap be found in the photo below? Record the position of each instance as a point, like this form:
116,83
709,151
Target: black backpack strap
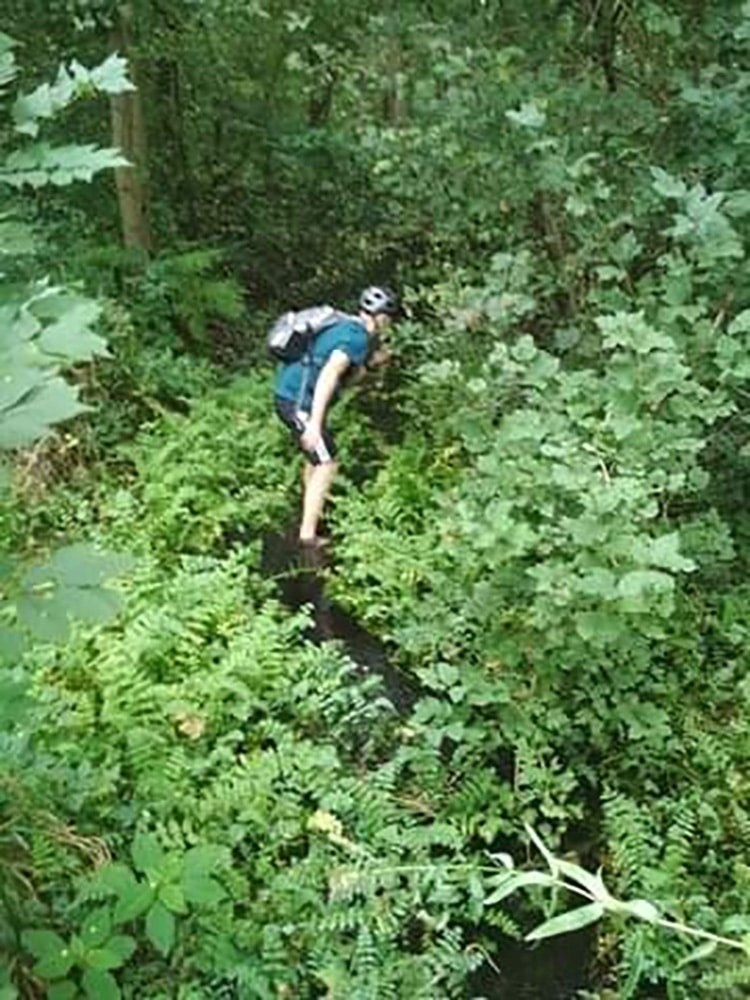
307,364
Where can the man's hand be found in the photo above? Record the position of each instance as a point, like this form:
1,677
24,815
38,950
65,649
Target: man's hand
381,356
310,438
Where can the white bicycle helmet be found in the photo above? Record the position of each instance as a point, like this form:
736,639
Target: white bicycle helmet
377,299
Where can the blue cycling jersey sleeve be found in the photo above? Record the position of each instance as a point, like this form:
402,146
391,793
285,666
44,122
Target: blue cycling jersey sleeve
348,336
296,381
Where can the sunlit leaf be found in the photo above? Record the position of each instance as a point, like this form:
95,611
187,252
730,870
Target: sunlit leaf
564,923
160,928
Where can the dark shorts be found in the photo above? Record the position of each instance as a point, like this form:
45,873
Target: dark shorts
296,421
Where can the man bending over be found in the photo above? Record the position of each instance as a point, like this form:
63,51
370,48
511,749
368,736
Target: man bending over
305,389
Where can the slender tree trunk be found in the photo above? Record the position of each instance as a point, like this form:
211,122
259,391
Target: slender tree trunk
394,107
605,16
129,135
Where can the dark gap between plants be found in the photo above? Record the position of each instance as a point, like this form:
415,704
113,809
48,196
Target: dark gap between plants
556,969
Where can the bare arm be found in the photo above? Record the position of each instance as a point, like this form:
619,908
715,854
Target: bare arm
325,387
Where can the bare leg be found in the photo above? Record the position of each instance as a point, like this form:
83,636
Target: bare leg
318,479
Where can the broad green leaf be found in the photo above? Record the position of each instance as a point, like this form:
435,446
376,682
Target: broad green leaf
65,990
133,901
740,324
112,76
202,859
666,185
202,889
599,626
94,604
16,238
44,616
96,927
8,68
160,928
644,581
70,337
577,206
14,386
117,878
664,552
41,164
632,332
27,108
173,897
527,116
573,920
81,565
99,985
54,965
42,943
103,958
31,419
147,852
122,947
14,697
738,204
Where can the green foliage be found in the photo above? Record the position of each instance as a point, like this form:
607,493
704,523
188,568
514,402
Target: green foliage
205,478
543,517
180,292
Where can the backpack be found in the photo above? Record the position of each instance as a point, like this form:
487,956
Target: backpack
291,336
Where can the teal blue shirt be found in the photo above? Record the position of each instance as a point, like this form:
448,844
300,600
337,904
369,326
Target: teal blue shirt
296,381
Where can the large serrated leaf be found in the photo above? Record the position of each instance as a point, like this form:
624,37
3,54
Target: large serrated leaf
99,985
32,418
112,76
41,164
133,901
14,387
666,185
117,878
42,942
173,897
122,947
147,852
70,336
201,889
160,928
53,955
81,565
96,927
65,990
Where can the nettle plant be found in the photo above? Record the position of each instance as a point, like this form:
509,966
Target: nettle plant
163,887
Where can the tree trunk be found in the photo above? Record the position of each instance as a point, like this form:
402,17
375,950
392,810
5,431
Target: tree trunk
394,107
606,15
129,135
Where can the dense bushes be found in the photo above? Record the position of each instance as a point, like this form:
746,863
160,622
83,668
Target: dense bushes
541,512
